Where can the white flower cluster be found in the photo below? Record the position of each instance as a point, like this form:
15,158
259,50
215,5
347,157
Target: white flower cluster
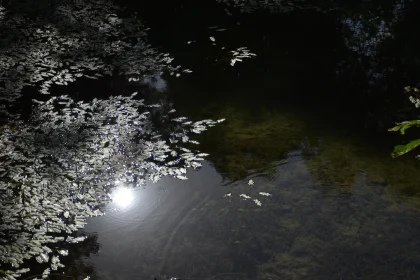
58,170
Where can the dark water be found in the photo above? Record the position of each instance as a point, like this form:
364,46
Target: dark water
306,121
144,227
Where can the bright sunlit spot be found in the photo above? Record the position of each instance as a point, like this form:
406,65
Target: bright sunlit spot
123,197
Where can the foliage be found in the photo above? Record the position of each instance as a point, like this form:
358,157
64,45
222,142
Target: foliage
403,126
81,38
58,170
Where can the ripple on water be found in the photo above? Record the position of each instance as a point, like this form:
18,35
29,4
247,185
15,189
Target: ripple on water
155,223
310,227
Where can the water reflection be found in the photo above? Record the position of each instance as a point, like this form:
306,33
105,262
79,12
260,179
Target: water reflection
308,229
156,83
336,212
122,196
143,239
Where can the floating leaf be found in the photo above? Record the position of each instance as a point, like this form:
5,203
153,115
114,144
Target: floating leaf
264,194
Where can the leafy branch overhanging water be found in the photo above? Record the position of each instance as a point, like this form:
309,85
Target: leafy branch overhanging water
58,171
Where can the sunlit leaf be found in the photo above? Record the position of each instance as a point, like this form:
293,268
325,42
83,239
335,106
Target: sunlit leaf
403,149
403,126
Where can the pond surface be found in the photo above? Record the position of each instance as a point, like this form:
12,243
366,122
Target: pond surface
306,230
305,123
